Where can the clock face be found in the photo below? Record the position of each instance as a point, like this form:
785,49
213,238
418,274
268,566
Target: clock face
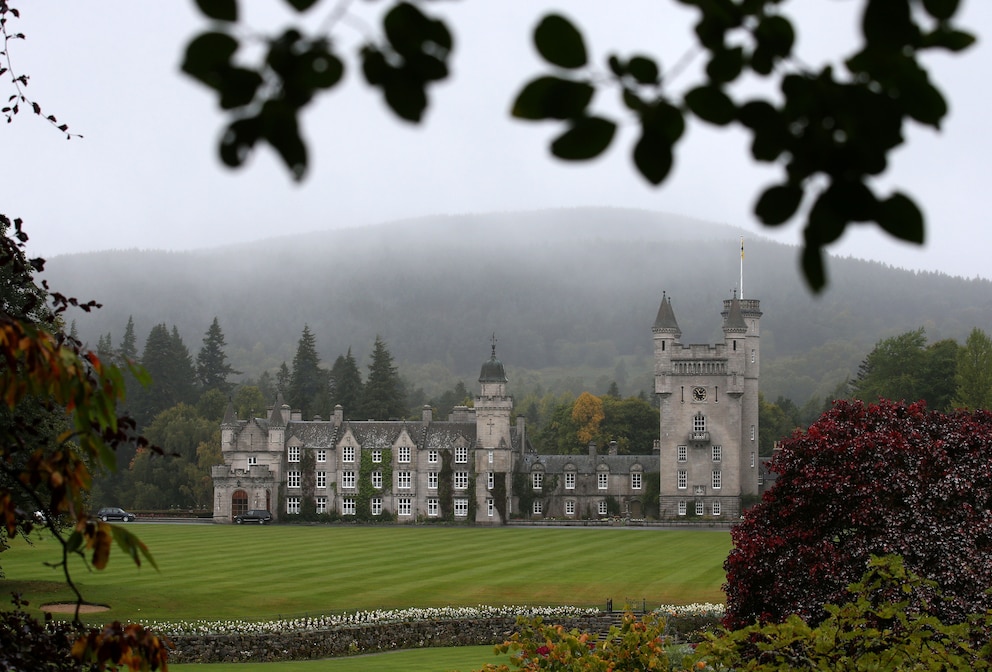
699,393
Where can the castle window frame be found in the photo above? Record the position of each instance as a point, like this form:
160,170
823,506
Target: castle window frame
490,507
376,456
537,508
491,457
636,479
682,453
700,507
461,507
698,423
432,480
432,507
461,480
321,479
403,480
376,477
717,509
537,480
347,506
403,454
683,509
252,460
752,432
293,505
570,480
293,454
682,479
322,455
376,506
292,479
432,457
348,480
461,455
603,480
321,503
602,509
347,453
716,480
404,506
569,507
717,453
490,480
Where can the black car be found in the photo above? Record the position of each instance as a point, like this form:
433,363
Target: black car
259,516
114,513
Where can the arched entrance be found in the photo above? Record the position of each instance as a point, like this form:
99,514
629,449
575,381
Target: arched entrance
239,503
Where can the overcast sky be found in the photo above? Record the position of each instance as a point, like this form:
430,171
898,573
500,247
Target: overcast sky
146,174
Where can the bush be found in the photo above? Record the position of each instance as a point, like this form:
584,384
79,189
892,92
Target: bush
864,480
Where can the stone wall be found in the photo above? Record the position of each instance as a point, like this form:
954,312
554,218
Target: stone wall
353,640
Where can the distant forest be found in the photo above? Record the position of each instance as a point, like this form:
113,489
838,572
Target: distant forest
570,294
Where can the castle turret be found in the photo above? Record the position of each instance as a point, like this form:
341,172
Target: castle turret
666,335
494,454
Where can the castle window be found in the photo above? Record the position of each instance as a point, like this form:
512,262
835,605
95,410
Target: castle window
603,509
682,479
698,423
716,509
292,479
377,456
461,507
752,432
321,479
752,459
570,480
293,505
322,456
490,507
682,507
432,507
348,506
376,506
404,507
403,454
490,457
683,453
569,507
347,453
432,480
538,507
490,480
461,455
293,454
432,456
461,480
717,480
347,479
322,505
635,480
252,460
752,355
700,508
377,480
403,480
717,453
537,480
603,480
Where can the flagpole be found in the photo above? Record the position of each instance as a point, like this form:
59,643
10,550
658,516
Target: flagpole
742,267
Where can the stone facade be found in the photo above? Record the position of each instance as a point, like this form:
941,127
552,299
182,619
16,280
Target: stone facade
478,466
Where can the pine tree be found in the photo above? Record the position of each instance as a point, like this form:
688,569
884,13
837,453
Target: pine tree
170,366
212,368
347,383
308,383
974,372
383,396
129,344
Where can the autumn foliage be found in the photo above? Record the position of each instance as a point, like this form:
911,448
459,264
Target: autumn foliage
864,480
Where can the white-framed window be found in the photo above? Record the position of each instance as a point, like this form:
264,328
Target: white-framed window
699,423
322,505
603,480
717,509
683,453
717,479
682,479
461,480
432,456
635,480
403,506
752,459
537,508
761,477
753,355
570,480
432,480
321,479
377,480
601,509
682,507
403,480
700,508
347,479
376,506
292,479
322,456
293,454
717,452
490,507
377,456
293,505
490,457
490,480
403,454
537,479
569,507
461,507
252,460
347,453
461,455
348,506
752,432
432,508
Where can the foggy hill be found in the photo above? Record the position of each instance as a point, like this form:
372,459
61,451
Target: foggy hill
574,291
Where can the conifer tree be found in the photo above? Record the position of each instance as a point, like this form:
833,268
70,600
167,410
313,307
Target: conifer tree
974,372
212,368
129,344
308,383
383,396
346,381
170,366
282,379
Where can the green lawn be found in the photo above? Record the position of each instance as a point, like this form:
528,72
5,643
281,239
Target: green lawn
264,572
462,658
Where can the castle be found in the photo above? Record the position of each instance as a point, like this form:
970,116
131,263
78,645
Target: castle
478,466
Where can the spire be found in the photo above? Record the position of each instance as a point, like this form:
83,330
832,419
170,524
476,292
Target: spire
666,317
492,371
735,319
230,418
